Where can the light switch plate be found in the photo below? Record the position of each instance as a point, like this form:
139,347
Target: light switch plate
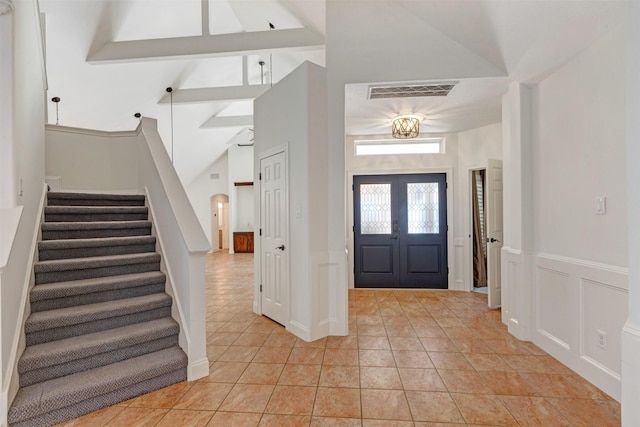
601,205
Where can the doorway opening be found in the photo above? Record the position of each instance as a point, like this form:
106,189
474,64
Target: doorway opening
219,222
486,188
479,231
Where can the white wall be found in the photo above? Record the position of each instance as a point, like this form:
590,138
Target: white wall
240,170
631,330
580,258
109,160
293,113
8,186
245,213
579,154
29,85
203,187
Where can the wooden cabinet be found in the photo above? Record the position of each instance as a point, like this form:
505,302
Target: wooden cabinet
243,241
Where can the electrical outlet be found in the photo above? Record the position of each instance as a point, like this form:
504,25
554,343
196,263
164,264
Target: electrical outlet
602,339
601,205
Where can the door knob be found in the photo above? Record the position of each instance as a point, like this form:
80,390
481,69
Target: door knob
281,247
492,240
394,237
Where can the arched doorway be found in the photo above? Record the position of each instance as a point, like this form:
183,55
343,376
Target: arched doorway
219,222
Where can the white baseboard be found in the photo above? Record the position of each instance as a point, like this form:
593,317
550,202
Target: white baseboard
299,330
197,369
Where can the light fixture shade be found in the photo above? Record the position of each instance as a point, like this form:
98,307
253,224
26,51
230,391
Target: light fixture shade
405,127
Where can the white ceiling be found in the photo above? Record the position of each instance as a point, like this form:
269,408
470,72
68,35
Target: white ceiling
525,40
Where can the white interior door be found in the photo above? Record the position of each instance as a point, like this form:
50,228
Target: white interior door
273,248
495,233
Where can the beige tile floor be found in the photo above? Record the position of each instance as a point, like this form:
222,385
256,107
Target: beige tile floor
412,358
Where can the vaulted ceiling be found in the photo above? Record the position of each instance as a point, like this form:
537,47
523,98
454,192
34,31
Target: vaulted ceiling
108,59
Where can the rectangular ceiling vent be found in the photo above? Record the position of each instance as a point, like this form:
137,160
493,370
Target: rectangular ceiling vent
410,90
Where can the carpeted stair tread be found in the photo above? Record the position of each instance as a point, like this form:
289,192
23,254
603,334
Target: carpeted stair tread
89,210
69,349
94,213
94,229
86,248
63,270
94,225
53,418
39,399
94,262
88,243
93,199
98,284
65,317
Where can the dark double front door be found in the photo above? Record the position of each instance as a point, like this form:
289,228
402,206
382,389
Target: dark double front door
400,231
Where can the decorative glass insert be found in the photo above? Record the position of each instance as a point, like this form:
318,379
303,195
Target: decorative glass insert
423,212
375,208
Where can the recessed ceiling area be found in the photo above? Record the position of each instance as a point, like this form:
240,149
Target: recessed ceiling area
472,103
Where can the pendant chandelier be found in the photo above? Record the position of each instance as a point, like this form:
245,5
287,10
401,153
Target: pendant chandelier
405,127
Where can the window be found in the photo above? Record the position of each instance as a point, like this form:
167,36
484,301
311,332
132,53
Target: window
383,147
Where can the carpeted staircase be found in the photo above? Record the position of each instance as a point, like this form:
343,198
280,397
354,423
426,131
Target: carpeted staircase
100,329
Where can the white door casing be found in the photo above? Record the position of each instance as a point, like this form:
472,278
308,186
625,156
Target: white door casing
274,253
495,232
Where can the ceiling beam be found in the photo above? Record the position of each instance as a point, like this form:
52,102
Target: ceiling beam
214,94
206,46
228,121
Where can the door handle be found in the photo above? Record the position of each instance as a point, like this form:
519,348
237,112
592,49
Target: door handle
394,237
281,247
492,240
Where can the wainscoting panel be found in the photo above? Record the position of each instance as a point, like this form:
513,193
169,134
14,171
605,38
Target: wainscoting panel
326,271
604,312
554,318
516,292
579,311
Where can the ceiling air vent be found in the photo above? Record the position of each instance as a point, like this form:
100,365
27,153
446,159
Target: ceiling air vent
411,90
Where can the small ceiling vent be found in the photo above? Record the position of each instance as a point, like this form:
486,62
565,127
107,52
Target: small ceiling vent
411,90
